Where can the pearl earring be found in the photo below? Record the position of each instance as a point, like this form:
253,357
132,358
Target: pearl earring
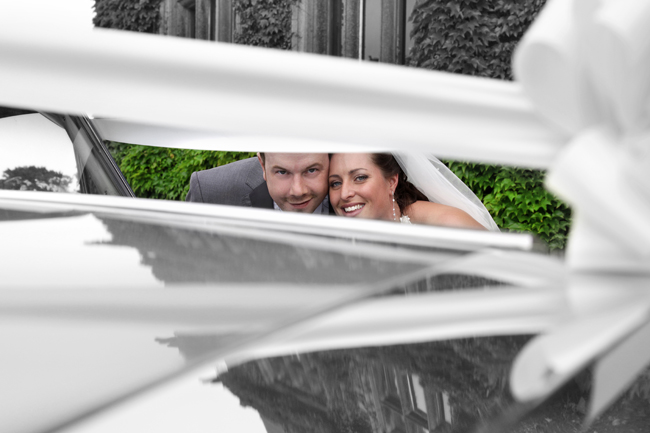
394,215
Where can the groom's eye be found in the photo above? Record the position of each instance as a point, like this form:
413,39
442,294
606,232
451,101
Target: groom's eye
312,170
281,172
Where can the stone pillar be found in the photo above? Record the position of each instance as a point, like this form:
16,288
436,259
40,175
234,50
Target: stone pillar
388,31
306,33
224,20
316,25
176,19
165,16
350,28
321,27
203,16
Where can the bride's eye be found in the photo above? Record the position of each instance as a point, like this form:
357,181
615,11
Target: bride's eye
361,178
335,184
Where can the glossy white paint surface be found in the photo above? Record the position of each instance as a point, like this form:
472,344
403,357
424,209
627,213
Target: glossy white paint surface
265,220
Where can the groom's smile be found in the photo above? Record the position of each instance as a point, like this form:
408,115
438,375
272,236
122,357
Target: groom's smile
297,182
300,204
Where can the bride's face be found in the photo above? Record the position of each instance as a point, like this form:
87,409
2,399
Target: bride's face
358,187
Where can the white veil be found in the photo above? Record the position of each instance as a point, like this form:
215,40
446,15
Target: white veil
428,174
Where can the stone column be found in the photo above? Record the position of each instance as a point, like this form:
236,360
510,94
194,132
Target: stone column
224,20
165,16
388,31
203,16
350,24
176,19
317,26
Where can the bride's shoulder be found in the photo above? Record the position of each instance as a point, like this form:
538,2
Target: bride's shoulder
424,212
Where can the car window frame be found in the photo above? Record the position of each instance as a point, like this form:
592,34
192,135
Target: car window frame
81,124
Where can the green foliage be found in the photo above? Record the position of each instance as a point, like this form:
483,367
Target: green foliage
164,173
135,15
517,200
478,37
32,178
472,37
264,23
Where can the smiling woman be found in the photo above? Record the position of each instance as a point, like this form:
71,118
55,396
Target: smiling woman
374,186
358,187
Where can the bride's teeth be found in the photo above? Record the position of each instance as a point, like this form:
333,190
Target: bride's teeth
353,208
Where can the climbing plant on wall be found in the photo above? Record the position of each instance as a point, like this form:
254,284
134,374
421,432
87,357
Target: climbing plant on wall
135,15
478,37
472,37
264,23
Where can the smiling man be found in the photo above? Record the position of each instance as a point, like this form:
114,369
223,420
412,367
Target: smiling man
291,182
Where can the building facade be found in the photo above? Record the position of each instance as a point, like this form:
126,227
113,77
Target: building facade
373,30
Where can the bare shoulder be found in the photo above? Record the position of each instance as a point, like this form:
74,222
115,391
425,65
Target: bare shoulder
436,214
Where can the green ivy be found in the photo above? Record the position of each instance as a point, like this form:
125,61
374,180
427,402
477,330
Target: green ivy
164,173
517,200
472,37
135,15
264,23
478,37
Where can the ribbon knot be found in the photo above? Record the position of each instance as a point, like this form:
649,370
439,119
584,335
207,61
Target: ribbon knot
585,64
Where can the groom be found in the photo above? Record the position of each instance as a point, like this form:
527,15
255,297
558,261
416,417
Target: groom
291,182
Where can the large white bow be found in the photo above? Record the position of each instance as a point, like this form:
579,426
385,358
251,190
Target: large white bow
586,66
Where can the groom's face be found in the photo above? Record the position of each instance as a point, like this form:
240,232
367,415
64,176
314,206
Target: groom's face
297,182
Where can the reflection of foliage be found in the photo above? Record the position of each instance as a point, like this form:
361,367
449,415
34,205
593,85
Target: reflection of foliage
32,178
164,173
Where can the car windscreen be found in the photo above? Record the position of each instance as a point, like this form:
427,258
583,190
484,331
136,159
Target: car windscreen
54,153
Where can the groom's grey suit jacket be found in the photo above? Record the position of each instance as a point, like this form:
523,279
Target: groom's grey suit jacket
239,183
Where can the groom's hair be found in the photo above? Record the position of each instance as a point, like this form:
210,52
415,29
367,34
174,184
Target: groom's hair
263,156
405,193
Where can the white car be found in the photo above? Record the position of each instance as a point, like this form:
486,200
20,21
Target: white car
112,305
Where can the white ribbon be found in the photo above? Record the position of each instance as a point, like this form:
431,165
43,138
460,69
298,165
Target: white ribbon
585,64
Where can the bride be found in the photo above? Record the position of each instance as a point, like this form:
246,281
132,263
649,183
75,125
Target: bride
410,188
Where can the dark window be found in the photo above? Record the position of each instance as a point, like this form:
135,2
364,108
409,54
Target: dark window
386,30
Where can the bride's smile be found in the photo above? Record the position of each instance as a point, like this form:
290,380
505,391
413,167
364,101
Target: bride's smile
374,186
359,188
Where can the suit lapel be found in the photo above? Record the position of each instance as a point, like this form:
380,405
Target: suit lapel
260,197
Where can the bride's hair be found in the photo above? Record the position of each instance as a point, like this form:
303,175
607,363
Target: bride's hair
406,193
